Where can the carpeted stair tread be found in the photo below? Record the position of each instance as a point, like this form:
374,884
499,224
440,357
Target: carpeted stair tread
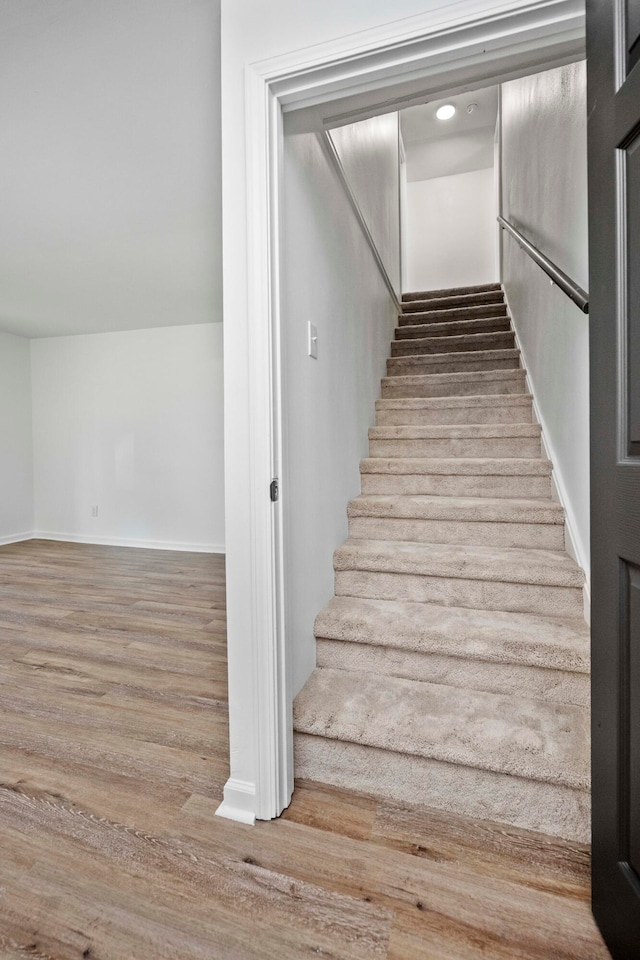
469,383
415,312
398,777
419,311
451,328
454,362
492,340
452,292
493,636
531,739
464,562
475,477
456,440
455,431
462,466
468,509
497,408
458,300
445,403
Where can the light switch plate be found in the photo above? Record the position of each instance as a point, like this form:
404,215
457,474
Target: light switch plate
313,341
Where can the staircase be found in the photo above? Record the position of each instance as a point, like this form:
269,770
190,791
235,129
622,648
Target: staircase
453,659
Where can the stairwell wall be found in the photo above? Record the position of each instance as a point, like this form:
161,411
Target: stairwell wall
332,281
544,194
372,166
16,448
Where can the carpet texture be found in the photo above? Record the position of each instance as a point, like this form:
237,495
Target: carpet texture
453,661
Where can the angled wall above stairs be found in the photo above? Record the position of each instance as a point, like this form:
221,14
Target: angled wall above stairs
331,280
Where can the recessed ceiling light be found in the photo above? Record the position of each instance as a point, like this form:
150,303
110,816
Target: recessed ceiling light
445,112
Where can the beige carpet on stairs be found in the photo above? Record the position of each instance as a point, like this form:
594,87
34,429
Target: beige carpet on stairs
453,661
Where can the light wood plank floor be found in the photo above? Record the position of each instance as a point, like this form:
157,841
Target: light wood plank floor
113,754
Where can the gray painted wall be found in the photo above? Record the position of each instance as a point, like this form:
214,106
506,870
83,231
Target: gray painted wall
332,280
544,193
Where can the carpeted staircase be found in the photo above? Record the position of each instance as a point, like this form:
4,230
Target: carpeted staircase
453,660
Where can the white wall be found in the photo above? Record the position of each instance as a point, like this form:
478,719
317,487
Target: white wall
446,156
369,153
109,165
451,231
544,178
329,402
16,457
133,423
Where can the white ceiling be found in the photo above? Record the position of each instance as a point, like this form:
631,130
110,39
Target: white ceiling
438,148
109,165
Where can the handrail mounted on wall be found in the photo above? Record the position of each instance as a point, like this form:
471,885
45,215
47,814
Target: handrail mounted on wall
573,290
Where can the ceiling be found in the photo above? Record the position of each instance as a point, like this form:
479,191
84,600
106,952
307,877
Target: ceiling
437,148
109,165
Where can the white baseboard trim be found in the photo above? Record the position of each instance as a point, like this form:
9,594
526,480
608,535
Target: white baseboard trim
239,802
15,538
126,542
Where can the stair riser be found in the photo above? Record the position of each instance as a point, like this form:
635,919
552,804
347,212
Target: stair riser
463,300
429,484
486,637
555,810
473,290
453,591
415,309
455,328
461,363
508,447
450,416
511,679
536,536
413,387
440,345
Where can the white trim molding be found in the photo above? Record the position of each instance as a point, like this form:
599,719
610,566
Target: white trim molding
114,542
239,802
127,542
15,538
364,74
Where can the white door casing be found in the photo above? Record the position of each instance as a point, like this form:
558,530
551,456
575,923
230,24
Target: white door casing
452,47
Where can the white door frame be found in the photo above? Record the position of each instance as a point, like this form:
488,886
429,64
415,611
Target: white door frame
462,43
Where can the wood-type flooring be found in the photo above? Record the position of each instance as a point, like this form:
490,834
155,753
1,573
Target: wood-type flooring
113,755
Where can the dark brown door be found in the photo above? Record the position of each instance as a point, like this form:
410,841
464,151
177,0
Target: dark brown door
613,71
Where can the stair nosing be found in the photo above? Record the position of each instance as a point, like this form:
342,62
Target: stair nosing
557,568
475,633
543,466
457,431
458,752
455,402
491,287
365,504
